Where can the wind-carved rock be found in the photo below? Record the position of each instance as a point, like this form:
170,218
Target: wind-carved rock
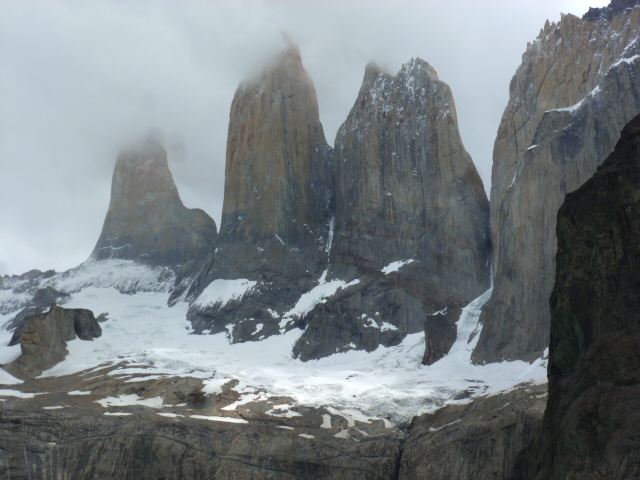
277,206
577,86
412,218
592,420
147,221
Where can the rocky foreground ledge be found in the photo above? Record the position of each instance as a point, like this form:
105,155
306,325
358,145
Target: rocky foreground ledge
96,425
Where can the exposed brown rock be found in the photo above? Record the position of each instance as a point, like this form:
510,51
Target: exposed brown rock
43,339
278,199
577,86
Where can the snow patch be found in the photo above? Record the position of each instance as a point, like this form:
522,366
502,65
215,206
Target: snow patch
395,266
132,399
220,292
220,419
5,392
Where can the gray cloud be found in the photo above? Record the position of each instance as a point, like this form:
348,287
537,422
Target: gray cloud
77,79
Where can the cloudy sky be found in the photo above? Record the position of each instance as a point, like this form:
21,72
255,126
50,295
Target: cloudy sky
79,78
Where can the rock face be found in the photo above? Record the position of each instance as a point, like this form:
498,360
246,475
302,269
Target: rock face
412,218
277,205
480,440
147,221
577,86
43,339
591,426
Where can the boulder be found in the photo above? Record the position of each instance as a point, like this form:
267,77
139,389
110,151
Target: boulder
43,339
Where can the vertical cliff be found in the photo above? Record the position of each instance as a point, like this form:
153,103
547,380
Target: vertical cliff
577,86
591,427
411,224
146,221
277,204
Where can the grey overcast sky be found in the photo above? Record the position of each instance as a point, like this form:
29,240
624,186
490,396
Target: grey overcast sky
78,78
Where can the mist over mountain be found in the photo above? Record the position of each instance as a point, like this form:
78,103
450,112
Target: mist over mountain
363,310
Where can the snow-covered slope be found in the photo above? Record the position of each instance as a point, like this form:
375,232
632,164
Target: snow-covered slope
143,335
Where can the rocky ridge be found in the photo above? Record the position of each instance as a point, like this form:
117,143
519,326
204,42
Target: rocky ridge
591,426
411,220
576,88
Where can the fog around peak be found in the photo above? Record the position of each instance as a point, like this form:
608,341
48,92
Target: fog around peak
79,79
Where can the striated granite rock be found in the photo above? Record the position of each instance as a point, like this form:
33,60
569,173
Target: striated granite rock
147,221
43,339
591,426
577,86
277,205
412,218
479,440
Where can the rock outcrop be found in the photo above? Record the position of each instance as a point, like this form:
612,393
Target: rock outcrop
577,86
277,206
591,425
147,221
42,300
479,440
411,221
43,339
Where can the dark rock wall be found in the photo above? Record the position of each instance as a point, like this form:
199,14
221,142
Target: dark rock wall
592,423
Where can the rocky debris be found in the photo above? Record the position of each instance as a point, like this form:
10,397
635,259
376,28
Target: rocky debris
440,333
147,221
23,288
479,440
412,218
577,86
591,426
277,204
616,7
43,339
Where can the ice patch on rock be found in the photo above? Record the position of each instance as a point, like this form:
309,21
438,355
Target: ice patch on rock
220,292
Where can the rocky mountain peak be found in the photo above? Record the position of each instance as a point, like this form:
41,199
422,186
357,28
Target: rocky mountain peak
410,211
147,221
278,201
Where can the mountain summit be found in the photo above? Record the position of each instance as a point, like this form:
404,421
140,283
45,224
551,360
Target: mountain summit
278,202
147,221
